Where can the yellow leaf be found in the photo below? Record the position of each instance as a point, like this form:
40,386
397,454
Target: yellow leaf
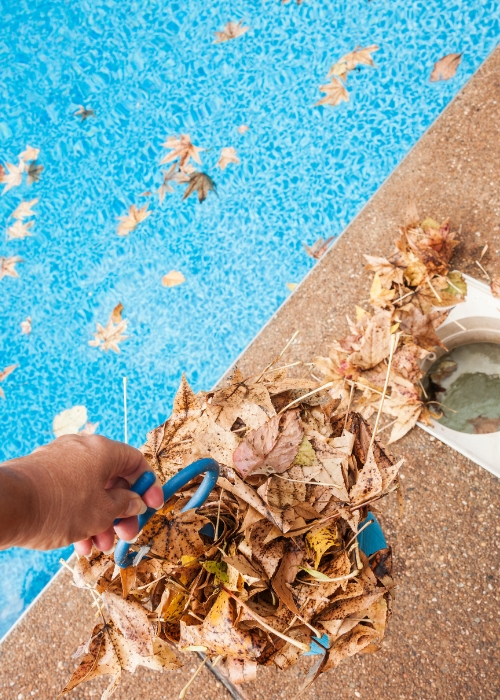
415,273
359,313
394,327
306,455
218,569
187,560
175,607
315,574
172,279
319,541
292,285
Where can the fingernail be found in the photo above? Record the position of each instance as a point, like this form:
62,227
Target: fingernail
108,551
161,499
133,540
136,506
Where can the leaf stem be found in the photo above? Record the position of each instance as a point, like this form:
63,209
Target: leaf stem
277,358
305,396
394,342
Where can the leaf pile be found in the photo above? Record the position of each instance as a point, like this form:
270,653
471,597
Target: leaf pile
297,476
412,293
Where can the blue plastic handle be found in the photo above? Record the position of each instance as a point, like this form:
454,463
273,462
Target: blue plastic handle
208,466
143,483
370,540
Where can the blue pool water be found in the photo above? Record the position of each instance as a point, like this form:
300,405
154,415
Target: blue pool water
150,70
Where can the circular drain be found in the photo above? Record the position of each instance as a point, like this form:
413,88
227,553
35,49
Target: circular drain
466,384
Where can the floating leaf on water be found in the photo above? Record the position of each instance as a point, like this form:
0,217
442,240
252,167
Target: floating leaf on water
172,279
358,57
130,221
181,148
109,336
84,113
8,266
171,175
3,376
34,172
29,153
70,421
24,209
335,93
26,326
20,229
318,248
201,183
232,30
446,67
227,156
14,175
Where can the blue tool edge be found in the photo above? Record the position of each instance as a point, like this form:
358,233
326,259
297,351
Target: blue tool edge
370,540
207,466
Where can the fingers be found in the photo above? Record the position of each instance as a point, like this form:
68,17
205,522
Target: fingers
84,547
127,529
126,505
154,496
105,541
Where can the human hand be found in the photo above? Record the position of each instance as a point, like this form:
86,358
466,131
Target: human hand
72,490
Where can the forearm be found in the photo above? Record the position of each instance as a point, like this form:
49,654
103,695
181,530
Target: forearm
72,490
17,506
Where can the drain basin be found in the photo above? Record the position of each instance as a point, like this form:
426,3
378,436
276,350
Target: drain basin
466,383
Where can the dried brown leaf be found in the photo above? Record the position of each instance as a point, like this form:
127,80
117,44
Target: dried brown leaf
375,343
201,183
174,535
219,635
349,645
272,447
132,620
446,67
232,30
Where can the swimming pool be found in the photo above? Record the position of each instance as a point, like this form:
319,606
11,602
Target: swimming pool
150,71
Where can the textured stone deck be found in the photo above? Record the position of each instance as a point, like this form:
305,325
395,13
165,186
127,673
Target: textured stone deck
443,639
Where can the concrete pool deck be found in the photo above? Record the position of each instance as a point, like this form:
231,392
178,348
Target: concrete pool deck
443,637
